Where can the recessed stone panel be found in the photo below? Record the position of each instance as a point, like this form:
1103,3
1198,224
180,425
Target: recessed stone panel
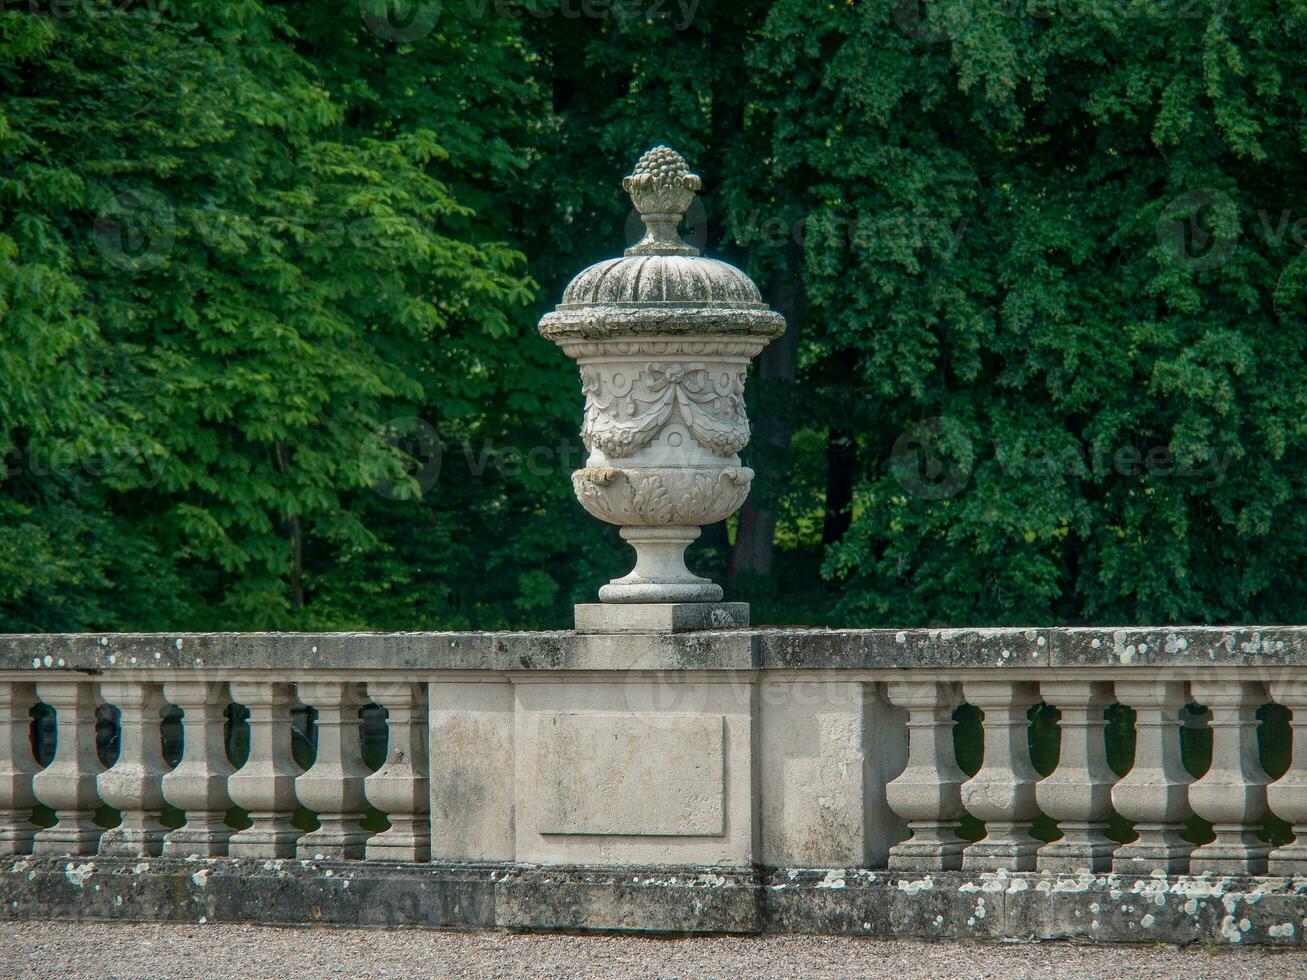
640,775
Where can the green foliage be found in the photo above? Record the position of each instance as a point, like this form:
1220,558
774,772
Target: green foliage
1117,395
269,276
243,289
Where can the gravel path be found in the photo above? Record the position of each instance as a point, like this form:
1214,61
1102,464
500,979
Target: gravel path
184,951
181,952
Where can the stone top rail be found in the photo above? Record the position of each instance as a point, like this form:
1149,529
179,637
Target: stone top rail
738,649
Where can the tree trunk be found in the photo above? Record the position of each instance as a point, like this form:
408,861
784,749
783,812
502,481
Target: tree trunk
841,468
296,536
778,363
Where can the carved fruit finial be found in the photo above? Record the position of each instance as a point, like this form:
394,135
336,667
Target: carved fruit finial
661,188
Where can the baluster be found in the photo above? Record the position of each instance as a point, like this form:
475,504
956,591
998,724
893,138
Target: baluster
265,785
133,783
1154,794
928,793
67,784
1287,796
400,788
1078,793
1002,793
17,767
333,786
1232,793
199,783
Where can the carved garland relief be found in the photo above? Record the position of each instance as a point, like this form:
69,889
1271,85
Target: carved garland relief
622,416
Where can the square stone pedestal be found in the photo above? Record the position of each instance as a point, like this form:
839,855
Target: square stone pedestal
660,617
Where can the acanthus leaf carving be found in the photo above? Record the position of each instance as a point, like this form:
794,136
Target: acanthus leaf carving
662,497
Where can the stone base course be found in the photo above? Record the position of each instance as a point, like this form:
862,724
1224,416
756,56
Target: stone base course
952,905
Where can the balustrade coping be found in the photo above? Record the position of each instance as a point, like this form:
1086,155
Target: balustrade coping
738,649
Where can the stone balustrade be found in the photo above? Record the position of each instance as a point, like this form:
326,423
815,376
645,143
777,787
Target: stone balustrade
731,780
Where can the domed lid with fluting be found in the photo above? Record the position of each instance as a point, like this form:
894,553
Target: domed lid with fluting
661,285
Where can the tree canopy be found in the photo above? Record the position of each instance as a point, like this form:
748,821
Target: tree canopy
269,275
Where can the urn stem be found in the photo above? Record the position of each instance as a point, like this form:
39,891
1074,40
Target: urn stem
660,573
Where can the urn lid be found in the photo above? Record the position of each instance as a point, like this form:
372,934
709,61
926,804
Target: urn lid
661,285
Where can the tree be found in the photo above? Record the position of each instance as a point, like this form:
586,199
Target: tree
253,295
268,280
1066,411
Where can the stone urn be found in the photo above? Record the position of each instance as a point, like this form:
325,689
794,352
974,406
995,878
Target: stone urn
663,337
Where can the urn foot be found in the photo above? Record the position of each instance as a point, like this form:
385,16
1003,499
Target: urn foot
660,574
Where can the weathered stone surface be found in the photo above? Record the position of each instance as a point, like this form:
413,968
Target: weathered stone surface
1008,648
98,652
400,788
1078,793
17,767
641,735
639,775
1180,646
1287,796
1002,793
272,892
1125,908
198,785
828,747
928,793
68,784
702,650
663,339
133,786
660,617
1033,906
937,905
684,901
471,764
730,649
